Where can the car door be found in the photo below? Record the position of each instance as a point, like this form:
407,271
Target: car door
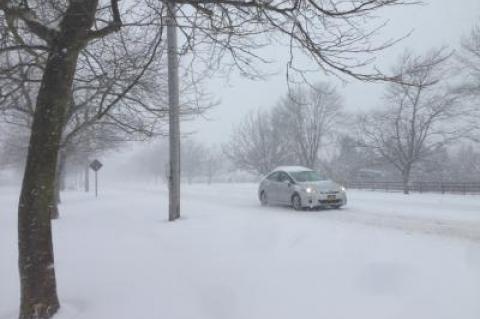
271,187
284,188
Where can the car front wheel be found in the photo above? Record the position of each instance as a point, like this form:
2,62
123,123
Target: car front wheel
263,199
296,202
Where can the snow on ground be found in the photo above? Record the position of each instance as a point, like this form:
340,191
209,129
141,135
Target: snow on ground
384,256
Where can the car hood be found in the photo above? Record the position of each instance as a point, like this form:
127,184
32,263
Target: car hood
321,186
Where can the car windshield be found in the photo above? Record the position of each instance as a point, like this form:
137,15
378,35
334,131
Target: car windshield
307,176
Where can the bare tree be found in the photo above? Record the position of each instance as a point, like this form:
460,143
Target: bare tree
436,167
308,117
256,146
199,161
103,73
348,160
56,33
337,35
469,58
151,161
140,114
14,146
466,164
214,163
418,118
193,159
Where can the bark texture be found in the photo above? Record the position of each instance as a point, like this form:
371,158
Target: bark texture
59,184
37,199
36,259
406,181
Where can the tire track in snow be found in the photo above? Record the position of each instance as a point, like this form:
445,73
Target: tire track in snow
429,226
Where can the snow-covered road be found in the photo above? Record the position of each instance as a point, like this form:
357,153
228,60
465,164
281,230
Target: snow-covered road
444,215
384,256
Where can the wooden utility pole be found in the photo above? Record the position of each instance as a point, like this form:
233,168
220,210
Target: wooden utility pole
173,113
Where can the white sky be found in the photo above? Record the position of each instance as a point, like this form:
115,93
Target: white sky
437,23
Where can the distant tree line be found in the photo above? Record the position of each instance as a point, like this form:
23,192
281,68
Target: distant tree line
201,163
425,127
292,132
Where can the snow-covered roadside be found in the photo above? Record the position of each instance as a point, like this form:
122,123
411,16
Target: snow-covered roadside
456,216
117,257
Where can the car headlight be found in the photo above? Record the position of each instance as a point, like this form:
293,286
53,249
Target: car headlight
342,188
309,190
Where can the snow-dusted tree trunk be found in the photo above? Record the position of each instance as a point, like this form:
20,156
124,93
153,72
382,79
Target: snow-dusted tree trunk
37,274
406,180
38,291
59,183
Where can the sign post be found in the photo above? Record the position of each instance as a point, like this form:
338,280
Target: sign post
96,165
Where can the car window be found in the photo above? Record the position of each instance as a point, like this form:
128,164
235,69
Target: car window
273,177
308,176
284,177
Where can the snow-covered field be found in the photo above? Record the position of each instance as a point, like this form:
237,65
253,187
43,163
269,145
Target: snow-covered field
383,256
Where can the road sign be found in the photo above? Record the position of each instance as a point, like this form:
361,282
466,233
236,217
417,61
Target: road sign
96,165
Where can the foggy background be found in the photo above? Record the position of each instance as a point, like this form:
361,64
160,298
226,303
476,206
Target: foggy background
434,24
431,25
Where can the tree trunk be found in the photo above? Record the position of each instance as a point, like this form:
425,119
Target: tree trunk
39,298
59,176
36,262
54,213
405,181
62,174
312,161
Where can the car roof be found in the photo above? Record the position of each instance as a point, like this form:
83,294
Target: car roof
289,169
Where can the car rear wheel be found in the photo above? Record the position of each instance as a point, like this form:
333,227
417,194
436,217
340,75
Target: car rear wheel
296,202
264,199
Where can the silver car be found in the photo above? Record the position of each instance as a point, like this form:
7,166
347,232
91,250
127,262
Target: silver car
300,187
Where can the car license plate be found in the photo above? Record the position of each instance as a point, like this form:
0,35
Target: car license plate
331,197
